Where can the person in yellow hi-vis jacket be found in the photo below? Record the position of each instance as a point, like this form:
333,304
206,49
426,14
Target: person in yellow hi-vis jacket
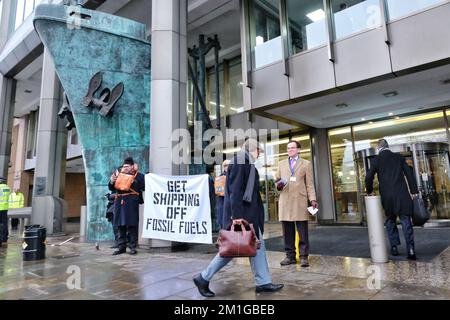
16,201
5,191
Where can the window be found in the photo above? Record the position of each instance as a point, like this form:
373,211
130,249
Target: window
399,8
231,91
354,16
429,127
306,25
344,176
1,10
24,9
33,120
265,32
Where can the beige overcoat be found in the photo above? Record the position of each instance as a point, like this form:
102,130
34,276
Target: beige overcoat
293,202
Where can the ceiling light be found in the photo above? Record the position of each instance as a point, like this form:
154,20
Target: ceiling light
363,119
316,15
259,40
342,105
391,114
390,94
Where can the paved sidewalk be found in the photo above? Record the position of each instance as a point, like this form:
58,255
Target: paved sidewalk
156,275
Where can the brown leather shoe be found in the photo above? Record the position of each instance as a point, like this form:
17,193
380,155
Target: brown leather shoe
287,261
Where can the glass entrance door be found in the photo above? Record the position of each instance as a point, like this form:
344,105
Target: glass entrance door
431,164
432,173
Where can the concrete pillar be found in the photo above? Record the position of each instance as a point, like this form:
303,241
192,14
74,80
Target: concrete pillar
322,175
169,78
49,177
7,96
5,18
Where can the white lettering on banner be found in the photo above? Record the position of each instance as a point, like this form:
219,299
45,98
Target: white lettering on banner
177,208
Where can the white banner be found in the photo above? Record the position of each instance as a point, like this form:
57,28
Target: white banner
177,208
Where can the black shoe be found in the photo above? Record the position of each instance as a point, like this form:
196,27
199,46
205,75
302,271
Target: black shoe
287,261
133,252
270,287
394,251
304,262
120,251
412,255
115,246
203,286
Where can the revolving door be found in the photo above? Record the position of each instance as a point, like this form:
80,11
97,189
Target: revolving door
431,165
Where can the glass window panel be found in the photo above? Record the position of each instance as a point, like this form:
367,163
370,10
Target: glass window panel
354,16
306,25
265,32
1,10
399,8
19,12
344,176
190,103
29,7
211,94
429,127
236,89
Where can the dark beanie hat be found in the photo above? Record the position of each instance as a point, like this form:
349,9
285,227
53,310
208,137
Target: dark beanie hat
129,161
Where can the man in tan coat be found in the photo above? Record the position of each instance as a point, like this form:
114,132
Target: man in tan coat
296,178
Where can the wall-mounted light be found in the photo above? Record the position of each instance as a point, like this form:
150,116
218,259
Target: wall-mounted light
341,105
316,15
259,40
390,94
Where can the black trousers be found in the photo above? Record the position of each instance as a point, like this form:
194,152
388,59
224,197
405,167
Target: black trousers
4,225
392,231
289,238
127,235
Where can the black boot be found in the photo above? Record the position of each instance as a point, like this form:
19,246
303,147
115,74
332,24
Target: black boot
203,286
412,254
394,251
120,251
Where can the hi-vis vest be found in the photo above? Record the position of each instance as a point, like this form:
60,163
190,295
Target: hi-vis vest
16,200
5,191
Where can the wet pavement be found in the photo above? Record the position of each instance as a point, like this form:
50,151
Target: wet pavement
157,274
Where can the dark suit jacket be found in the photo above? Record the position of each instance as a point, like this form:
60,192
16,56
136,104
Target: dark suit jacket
234,205
127,213
391,169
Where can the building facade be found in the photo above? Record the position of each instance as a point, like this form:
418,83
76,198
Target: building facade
334,75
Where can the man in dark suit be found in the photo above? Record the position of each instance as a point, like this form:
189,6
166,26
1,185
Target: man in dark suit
391,169
242,201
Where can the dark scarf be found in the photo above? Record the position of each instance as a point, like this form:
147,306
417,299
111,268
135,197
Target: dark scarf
241,158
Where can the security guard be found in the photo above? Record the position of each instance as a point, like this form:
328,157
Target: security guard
5,191
16,201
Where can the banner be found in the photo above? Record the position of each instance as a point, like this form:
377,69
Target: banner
177,208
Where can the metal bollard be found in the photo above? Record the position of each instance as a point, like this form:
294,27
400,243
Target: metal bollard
375,224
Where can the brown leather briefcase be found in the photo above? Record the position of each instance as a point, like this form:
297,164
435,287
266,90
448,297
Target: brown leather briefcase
238,241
